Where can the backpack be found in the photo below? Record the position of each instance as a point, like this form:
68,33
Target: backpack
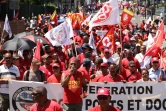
41,74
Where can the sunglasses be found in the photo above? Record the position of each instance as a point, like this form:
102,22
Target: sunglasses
36,94
55,67
132,66
102,97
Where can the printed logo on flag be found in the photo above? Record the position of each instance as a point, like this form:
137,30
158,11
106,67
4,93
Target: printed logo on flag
59,34
104,13
22,99
125,17
106,42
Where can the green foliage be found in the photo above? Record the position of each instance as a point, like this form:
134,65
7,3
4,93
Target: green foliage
52,5
36,2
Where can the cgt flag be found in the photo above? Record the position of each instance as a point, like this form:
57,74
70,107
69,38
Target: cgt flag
163,59
158,41
7,26
107,15
126,16
108,40
59,35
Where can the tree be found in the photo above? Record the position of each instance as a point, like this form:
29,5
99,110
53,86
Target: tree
36,2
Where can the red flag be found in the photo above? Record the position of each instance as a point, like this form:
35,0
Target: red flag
39,19
54,17
163,59
126,16
108,40
37,51
158,40
50,27
16,17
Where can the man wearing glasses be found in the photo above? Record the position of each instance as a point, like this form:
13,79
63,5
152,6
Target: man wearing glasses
8,71
131,73
39,95
155,72
104,98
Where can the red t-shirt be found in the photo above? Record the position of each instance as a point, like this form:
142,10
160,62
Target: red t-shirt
26,63
81,58
73,90
49,106
54,79
99,78
48,71
85,73
126,39
133,77
62,56
79,40
125,63
109,78
22,70
97,108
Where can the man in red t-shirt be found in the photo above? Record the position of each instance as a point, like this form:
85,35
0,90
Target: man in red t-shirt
85,69
130,74
39,95
104,72
104,98
56,76
85,48
129,57
47,68
73,83
18,63
113,76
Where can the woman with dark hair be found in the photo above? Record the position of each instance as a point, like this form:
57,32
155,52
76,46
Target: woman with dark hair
145,76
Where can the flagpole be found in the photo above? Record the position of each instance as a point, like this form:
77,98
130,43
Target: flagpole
75,46
2,36
121,37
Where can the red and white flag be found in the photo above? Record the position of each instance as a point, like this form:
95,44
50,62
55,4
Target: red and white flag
86,21
163,59
107,15
126,16
108,40
158,41
59,35
37,51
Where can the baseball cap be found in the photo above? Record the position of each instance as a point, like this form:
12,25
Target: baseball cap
155,59
153,31
85,45
104,65
46,56
55,65
15,56
119,46
35,61
87,61
106,50
103,91
132,39
138,44
73,59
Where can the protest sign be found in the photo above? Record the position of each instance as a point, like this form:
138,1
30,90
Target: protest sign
142,96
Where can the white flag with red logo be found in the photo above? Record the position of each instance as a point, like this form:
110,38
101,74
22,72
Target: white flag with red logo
59,35
107,15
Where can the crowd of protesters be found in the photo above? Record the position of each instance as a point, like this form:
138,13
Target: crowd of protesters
76,65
